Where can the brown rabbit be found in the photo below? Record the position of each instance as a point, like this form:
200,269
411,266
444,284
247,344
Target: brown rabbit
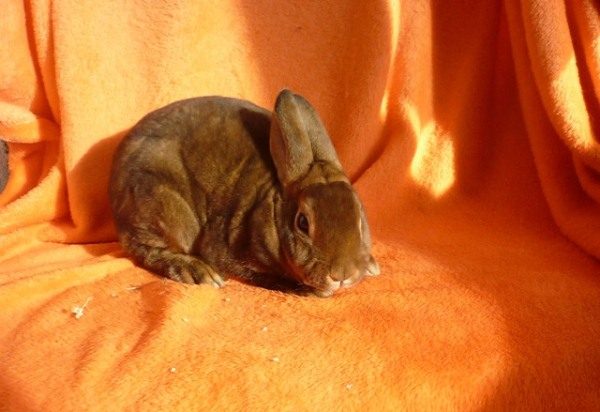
214,186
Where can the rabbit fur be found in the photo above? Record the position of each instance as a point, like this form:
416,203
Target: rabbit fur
211,187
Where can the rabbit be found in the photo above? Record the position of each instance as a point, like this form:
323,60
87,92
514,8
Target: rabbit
212,187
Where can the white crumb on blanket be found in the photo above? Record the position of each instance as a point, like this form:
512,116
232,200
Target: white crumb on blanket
77,311
133,287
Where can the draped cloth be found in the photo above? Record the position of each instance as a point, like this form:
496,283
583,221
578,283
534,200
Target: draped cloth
470,131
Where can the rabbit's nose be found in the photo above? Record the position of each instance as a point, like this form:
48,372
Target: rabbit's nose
337,275
340,274
346,277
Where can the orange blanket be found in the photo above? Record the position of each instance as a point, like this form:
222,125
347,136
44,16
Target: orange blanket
470,128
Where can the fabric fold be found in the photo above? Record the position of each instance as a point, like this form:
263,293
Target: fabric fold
469,128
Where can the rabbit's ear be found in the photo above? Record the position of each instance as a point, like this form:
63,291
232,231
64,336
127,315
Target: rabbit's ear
365,232
320,143
289,143
297,137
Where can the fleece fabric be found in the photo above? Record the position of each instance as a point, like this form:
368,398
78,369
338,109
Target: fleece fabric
471,131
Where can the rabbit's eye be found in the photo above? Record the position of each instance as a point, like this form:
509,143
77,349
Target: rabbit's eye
302,222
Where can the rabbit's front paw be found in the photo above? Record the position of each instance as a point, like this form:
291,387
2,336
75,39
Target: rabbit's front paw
189,269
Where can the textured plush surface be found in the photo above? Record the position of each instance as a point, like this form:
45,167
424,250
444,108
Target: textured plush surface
470,129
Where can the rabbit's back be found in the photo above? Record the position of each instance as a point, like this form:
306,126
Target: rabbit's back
212,136
203,145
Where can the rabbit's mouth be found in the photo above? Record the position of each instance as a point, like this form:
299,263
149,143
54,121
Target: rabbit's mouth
329,287
332,285
317,283
320,277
